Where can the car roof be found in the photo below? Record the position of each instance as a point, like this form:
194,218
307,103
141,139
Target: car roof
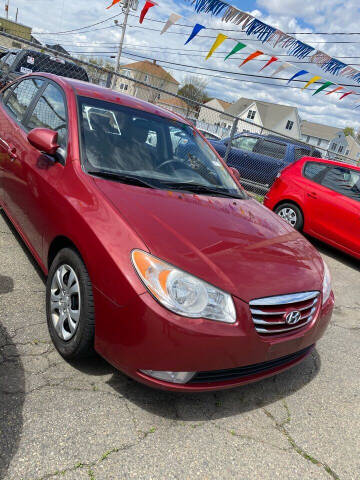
90,90
330,162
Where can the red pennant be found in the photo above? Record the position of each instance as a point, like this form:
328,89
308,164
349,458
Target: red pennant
272,60
113,3
346,94
146,8
251,57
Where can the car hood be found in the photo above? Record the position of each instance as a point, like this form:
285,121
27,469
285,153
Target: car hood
237,245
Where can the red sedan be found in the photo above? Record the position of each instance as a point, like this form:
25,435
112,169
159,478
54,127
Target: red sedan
321,198
154,254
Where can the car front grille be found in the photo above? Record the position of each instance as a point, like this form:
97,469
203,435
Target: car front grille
243,372
270,314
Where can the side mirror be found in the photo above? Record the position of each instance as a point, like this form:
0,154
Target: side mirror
235,173
44,139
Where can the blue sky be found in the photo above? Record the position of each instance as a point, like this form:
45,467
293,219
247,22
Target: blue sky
288,15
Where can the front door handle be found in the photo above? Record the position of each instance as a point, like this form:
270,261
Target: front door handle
12,152
312,195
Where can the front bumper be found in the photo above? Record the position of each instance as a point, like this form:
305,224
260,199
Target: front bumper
145,336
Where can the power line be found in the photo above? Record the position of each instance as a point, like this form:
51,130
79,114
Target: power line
78,29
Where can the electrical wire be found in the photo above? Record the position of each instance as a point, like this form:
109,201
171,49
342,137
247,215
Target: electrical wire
78,29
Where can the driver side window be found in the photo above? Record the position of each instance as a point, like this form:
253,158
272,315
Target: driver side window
245,143
50,112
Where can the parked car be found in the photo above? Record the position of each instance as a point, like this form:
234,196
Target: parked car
156,258
259,158
209,135
17,63
321,198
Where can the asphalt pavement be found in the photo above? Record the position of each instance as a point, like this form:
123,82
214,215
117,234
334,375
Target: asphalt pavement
88,421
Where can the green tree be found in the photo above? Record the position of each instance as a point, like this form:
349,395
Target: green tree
349,131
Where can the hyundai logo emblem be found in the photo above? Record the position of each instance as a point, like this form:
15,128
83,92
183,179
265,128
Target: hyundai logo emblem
292,318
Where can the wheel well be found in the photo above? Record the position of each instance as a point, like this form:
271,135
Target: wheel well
289,201
58,244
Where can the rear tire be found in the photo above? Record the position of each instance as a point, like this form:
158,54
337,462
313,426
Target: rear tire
70,306
291,214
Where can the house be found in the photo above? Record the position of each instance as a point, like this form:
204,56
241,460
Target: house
58,48
267,117
176,105
331,140
16,29
149,73
209,116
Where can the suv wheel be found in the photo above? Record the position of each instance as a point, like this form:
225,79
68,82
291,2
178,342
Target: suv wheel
70,306
292,214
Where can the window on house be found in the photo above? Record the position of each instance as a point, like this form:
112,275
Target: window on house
146,77
319,142
123,86
289,125
251,114
347,152
333,146
341,148
127,73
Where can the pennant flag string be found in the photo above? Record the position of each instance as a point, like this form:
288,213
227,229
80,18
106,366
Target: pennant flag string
323,86
236,49
219,40
113,3
272,60
174,17
195,31
251,57
346,94
145,9
313,80
298,74
335,90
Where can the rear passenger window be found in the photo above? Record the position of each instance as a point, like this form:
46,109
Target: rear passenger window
19,97
271,149
50,112
344,181
314,171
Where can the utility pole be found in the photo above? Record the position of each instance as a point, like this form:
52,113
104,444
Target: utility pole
17,13
7,9
126,10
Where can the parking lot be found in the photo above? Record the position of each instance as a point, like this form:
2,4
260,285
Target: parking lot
88,421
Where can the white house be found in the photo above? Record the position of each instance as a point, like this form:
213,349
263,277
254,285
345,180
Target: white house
209,116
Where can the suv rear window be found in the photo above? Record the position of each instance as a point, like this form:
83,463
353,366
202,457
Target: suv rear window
301,152
314,171
39,62
271,149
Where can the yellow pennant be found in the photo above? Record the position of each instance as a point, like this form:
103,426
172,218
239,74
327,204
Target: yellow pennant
310,82
219,40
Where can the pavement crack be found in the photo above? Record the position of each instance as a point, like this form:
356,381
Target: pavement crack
281,428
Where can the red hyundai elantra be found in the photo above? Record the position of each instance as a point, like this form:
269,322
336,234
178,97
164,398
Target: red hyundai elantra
153,252
321,198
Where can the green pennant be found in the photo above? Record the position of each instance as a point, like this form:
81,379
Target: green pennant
236,49
323,86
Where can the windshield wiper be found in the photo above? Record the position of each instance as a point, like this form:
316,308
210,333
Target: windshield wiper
122,177
197,188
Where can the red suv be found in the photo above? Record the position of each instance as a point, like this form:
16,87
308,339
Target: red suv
154,254
321,198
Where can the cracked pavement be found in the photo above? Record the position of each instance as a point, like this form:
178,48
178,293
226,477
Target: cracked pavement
89,421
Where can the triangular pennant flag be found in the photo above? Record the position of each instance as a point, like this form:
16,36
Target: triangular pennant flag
335,90
251,57
298,74
272,60
174,17
311,81
323,86
145,9
113,3
282,67
219,40
236,49
346,94
195,31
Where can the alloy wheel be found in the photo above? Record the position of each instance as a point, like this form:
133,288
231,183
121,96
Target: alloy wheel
289,215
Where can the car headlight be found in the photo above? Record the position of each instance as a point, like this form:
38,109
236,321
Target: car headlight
326,284
181,292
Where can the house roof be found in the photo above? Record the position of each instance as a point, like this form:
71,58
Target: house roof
318,130
151,68
225,105
270,113
173,101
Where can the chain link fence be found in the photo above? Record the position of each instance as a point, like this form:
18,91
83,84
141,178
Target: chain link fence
259,154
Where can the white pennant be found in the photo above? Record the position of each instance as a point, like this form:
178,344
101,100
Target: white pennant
174,17
281,68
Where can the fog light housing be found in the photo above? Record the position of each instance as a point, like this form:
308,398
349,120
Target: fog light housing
172,377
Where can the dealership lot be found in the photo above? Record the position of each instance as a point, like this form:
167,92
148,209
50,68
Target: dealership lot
89,421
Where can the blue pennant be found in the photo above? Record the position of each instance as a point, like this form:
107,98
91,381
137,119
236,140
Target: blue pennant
298,74
213,6
260,29
195,31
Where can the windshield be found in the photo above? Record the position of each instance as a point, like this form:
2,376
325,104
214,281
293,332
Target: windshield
164,153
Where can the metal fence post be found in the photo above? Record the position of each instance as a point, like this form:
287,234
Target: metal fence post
232,135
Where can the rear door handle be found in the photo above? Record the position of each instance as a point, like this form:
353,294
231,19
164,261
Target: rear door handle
312,195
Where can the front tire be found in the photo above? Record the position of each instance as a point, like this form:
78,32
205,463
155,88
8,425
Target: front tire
292,215
70,306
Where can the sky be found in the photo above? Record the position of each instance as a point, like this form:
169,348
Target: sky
306,16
